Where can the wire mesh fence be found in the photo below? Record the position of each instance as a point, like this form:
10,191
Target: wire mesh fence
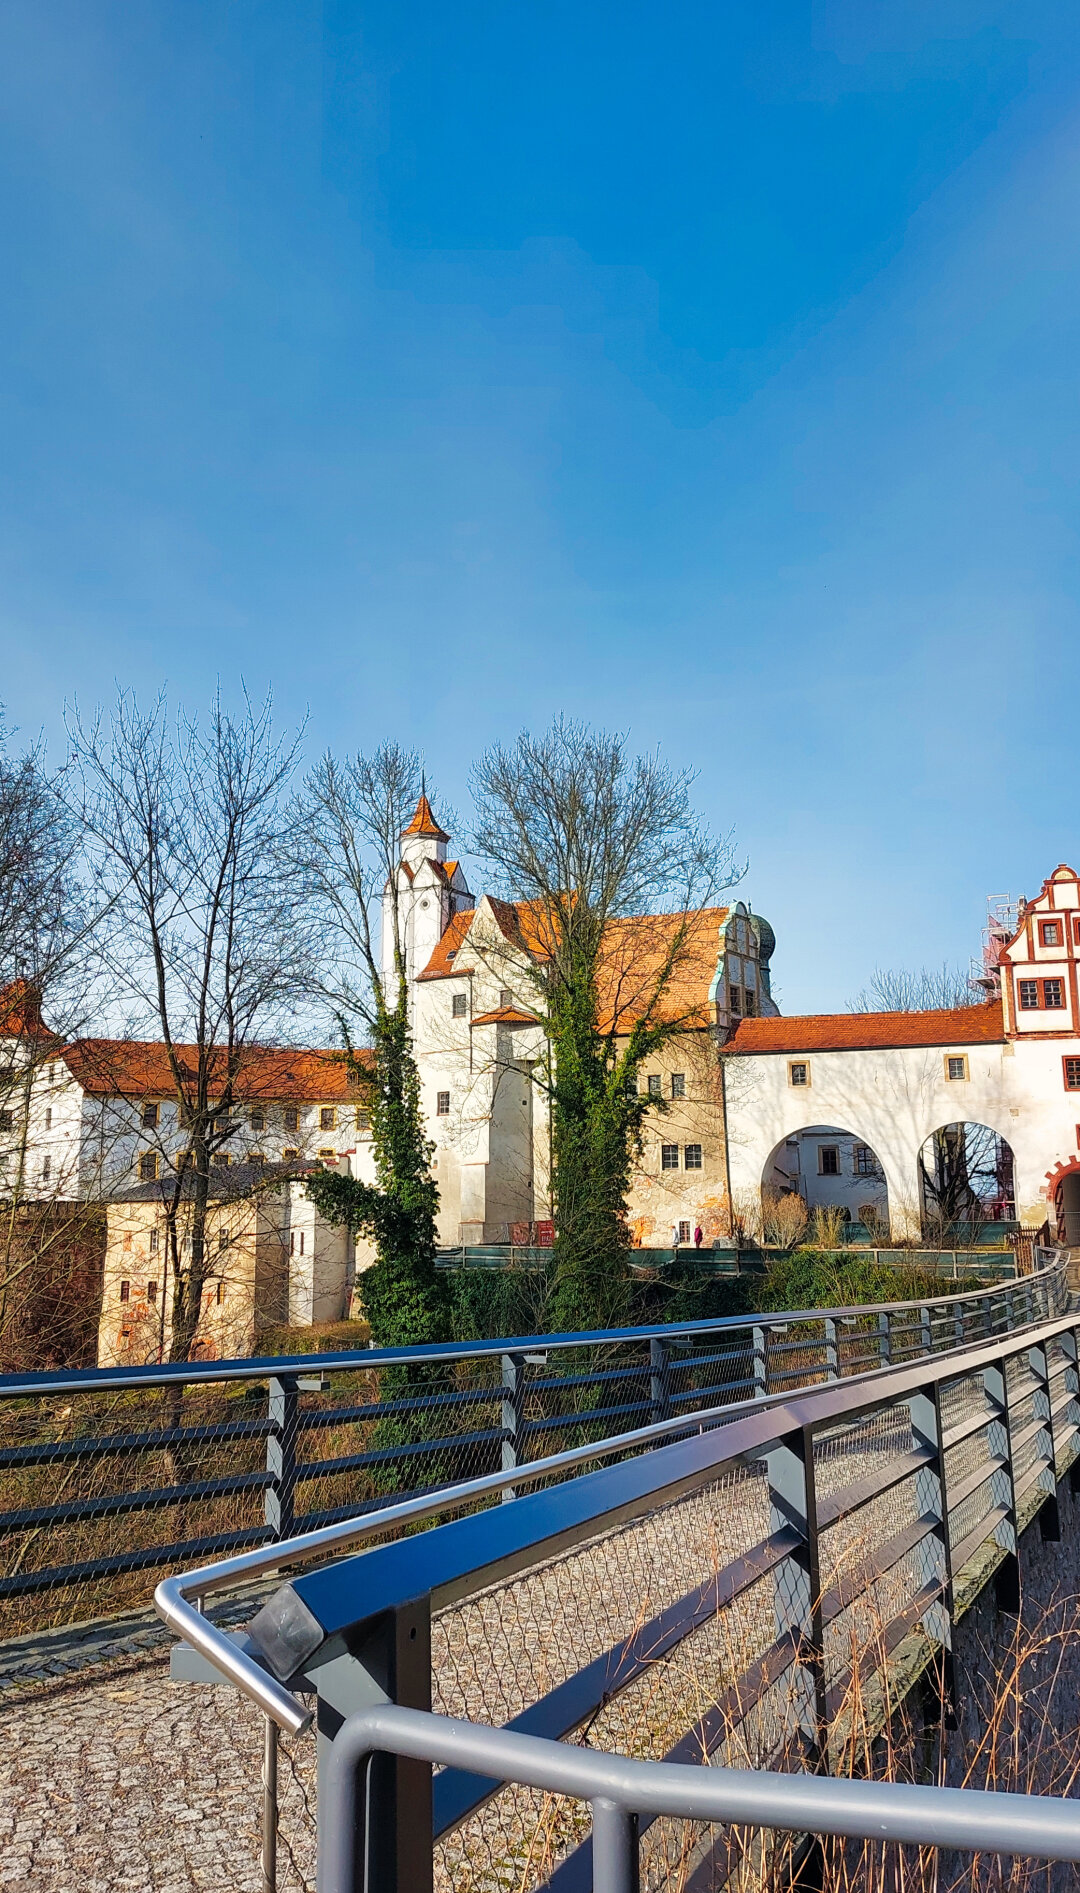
105,1478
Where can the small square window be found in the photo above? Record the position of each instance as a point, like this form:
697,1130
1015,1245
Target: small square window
460,1005
292,1117
866,1164
956,1067
150,1116
256,1157
692,1157
828,1160
1053,994
289,1156
1029,994
678,1084
328,1154
258,1118
684,1232
363,1121
798,1073
1050,931
327,1118
1072,1073
148,1166
655,1084
442,1104
669,1156
125,1291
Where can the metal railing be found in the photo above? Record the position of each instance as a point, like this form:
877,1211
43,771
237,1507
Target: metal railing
758,1581
620,1792
107,1474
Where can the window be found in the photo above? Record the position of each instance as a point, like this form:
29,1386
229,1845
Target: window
220,1293
328,1154
7,1120
48,1120
46,1169
669,1154
1076,929
798,1073
327,1118
153,1242
1053,994
52,1074
1029,994
692,1157
956,1067
1072,1073
151,1291
257,1157
1050,932
150,1116
735,999
442,1104
363,1121
506,997
223,1237
289,1156
223,1158
866,1164
148,1166
460,1005
655,1083
828,1160
678,1084
684,1232
258,1118
292,1118
125,1291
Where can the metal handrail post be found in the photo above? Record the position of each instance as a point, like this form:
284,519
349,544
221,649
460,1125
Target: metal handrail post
283,1405
615,1852
513,1417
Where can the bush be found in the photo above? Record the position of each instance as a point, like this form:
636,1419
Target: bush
812,1278
324,1337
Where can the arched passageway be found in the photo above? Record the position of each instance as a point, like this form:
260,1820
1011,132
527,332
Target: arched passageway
828,1168
1067,1206
966,1178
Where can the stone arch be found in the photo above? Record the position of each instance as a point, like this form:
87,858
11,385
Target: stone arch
966,1176
829,1167
1063,1194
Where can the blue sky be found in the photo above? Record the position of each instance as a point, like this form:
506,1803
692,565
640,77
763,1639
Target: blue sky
703,370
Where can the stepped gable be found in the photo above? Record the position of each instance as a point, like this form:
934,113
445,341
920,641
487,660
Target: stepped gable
869,1031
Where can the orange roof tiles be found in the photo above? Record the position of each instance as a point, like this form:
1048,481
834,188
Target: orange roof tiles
138,1068
20,1011
441,963
507,1015
424,823
870,1031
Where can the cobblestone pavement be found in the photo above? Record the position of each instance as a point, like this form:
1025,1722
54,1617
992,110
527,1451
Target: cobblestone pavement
130,1782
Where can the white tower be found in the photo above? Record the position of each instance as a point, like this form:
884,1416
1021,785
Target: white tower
430,891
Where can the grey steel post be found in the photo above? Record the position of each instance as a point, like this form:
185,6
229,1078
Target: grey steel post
832,1352
884,1338
761,1369
270,1805
926,1330
283,1407
513,1416
1071,1414
659,1379
932,1501
1042,1409
615,1857
797,1581
1002,1486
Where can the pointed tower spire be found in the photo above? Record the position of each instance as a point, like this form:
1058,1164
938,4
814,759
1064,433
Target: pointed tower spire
423,822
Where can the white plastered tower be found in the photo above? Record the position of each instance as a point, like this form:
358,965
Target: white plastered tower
430,891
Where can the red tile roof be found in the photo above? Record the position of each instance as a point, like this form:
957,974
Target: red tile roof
20,1011
140,1068
507,1015
424,823
441,963
870,1031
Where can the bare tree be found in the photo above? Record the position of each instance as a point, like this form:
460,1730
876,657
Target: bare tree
50,1243
589,842
210,945
932,989
347,835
